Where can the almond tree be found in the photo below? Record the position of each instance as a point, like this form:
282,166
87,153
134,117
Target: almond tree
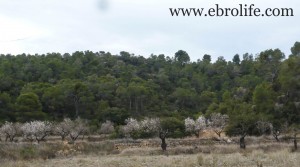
63,128
277,128
107,127
36,130
218,123
162,136
10,130
78,127
150,125
134,128
132,125
195,126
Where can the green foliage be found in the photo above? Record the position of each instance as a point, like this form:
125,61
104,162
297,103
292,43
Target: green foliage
263,98
296,49
29,108
114,114
236,59
174,126
29,102
100,86
242,121
29,152
182,57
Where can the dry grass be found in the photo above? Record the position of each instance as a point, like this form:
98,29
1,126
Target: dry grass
252,159
146,153
32,151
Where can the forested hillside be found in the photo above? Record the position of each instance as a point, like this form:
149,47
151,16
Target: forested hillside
101,86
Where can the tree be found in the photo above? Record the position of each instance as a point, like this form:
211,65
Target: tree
290,83
29,102
148,127
78,127
242,122
277,129
295,131
195,126
6,107
10,130
185,98
107,127
132,126
236,59
174,126
218,122
63,128
263,98
54,101
182,57
36,130
162,136
268,64
206,58
29,107
116,115
296,49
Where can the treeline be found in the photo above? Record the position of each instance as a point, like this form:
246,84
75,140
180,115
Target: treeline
99,86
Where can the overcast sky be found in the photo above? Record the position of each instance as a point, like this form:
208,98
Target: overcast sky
142,27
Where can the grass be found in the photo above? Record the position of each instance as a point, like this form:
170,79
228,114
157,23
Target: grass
31,151
252,159
184,153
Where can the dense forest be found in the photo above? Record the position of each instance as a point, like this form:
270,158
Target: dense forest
99,86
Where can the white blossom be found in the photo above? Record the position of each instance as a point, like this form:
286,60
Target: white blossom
107,127
10,130
131,126
195,126
63,128
147,125
200,123
78,127
189,124
150,125
218,122
36,130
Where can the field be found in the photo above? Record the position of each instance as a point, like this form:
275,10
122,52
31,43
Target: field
135,153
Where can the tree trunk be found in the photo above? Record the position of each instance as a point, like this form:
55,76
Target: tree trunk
63,138
76,104
136,105
76,108
11,139
276,138
295,142
130,104
197,133
162,136
163,145
141,100
242,142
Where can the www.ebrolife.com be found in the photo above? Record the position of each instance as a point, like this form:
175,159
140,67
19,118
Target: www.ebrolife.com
242,10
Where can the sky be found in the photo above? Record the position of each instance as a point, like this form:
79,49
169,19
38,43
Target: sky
142,27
